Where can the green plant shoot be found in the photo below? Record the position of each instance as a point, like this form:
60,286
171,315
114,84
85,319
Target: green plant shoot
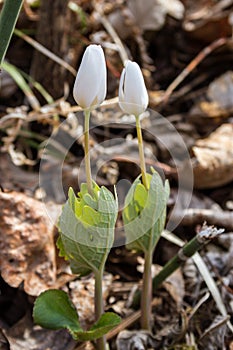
144,218
145,209
8,19
87,220
54,310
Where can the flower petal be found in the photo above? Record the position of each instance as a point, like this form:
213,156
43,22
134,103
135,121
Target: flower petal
90,84
133,96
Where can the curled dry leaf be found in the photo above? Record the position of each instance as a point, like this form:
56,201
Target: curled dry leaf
26,243
127,340
214,158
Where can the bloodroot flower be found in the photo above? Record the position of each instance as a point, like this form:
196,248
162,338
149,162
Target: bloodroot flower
90,85
133,96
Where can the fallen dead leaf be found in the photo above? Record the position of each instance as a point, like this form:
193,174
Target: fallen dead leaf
214,158
25,335
26,243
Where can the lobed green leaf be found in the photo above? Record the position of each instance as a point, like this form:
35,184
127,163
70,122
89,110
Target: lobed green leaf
87,229
145,213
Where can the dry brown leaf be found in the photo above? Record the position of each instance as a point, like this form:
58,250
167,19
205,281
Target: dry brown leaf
141,339
13,177
26,243
214,158
220,91
24,335
207,20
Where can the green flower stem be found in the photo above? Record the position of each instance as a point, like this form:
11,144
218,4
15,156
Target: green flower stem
87,114
8,19
141,152
99,306
146,296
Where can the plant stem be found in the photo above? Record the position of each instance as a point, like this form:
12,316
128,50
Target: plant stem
205,236
99,307
146,296
87,114
8,19
141,152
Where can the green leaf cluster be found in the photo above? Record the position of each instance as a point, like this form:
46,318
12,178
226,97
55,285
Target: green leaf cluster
87,228
144,214
54,310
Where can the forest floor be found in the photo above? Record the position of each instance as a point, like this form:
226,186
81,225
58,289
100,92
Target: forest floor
186,55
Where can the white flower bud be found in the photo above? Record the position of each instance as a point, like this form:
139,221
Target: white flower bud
90,83
133,96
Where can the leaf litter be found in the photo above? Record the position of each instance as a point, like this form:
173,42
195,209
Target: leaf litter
200,106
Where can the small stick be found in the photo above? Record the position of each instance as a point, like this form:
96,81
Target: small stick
45,51
193,216
193,64
111,31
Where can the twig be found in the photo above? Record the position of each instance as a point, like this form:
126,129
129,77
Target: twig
221,321
111,31
207,13
193,216
193,64
198,305
123,325
45,51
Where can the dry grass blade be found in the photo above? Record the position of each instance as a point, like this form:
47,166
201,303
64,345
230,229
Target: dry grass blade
48,98
22,84
193,64
203,269
45,51
111,31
